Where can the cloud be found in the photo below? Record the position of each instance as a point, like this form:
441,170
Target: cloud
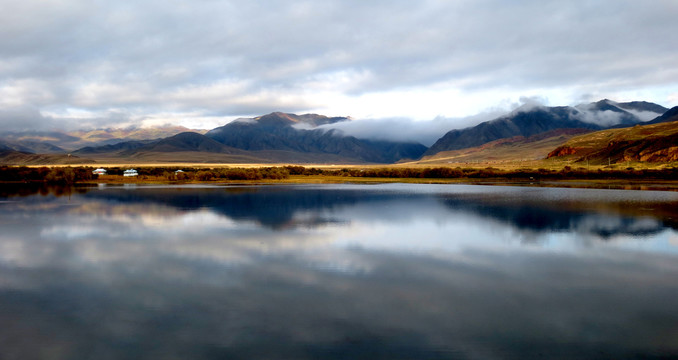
644,115
603,118
591,113
103,269
528,103
247,59
428,132
425,132
21,118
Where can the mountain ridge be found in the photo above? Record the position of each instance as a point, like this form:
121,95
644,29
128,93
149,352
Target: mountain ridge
277,132
65,141
531,120
287,137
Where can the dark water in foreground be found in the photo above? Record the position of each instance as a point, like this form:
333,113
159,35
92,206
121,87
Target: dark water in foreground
338,272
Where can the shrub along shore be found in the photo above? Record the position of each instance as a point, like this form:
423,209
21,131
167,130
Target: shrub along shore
301,174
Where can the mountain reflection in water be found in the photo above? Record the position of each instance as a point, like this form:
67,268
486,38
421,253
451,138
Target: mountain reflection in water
338,271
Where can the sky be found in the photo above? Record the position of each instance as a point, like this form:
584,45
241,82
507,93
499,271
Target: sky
67,64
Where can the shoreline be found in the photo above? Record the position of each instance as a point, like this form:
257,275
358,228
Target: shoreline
613,184
666,179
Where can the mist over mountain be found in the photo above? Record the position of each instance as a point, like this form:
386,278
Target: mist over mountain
32,147
601,114
38,141
668,116
302,134
425,132
608,113
275,131
313,138
276,137
532,119
642,109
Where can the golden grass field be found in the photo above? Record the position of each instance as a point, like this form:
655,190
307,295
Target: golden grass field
345,173
663,185
549,164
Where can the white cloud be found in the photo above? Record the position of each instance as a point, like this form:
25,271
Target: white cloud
365,59
603,118
425,132
644,115
21,118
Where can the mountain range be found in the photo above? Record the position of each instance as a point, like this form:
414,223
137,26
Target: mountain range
310,138
55,142
276,137
532,120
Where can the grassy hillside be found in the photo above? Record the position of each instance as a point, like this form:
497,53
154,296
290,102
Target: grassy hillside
515,149
646,143
20,158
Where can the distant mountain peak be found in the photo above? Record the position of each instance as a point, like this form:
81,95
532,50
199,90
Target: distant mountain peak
601,105
643,106
606,101
526,108
630,106
297,135
286,119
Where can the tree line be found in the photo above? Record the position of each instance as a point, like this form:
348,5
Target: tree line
566,173
71,175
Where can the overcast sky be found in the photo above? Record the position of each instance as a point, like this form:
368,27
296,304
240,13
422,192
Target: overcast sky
202,63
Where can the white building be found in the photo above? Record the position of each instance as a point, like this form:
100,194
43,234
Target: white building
130,172
99,171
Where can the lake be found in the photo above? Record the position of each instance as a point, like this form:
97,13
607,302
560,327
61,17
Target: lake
390,271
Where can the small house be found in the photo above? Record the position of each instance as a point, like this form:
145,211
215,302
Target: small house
99,171
130,172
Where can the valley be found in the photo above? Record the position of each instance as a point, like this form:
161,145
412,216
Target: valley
601,134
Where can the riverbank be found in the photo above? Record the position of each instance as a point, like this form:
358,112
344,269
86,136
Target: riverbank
646,179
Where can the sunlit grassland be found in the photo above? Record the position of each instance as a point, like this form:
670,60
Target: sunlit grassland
548,173
509,165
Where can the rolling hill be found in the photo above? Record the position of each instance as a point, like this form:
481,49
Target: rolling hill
54,142
11,157
185,141
656,142
188,147
515,149
115,135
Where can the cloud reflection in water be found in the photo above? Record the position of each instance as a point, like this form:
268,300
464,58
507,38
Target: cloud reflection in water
338,272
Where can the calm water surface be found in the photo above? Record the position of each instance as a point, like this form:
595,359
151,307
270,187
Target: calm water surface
338,271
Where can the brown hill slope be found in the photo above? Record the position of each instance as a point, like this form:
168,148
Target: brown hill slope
649,143
104,135
517,148
10,157
55,142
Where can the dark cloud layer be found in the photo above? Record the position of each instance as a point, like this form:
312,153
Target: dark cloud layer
179,60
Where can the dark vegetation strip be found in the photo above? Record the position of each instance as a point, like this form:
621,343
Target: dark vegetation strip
71,175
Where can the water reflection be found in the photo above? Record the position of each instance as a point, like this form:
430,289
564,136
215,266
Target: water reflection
340,271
